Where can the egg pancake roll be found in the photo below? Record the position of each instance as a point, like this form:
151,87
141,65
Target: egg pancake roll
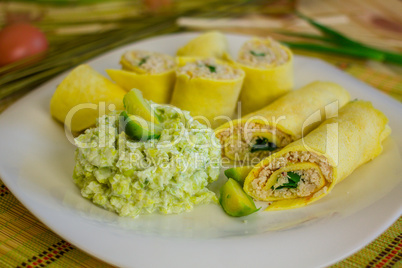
152,73
206,45
207,88
269,72
84,86
280,123
308,169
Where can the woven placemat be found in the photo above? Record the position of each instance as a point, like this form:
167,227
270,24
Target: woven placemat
26,242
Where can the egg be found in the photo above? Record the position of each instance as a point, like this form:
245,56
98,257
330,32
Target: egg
20,40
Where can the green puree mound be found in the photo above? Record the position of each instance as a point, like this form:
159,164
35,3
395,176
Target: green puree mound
168,174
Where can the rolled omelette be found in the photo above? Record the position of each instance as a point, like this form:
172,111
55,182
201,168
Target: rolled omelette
209,44
152,73
79,98
207,89
308,169
257,134
269,73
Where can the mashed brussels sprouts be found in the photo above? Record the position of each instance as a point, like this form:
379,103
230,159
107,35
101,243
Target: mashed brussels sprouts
168,174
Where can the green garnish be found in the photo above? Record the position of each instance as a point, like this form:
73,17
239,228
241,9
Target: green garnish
143,60
342,50
293,178
337,43
211,68
262,144
261,54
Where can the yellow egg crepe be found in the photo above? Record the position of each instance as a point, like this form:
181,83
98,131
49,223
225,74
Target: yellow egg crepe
79,95
208,89
308,169
206,45
152,73
269,73
278,124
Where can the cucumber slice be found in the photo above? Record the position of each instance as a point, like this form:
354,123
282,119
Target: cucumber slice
234,201
138,128
135,104
238,173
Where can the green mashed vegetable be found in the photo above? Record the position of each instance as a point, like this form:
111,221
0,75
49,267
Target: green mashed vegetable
168,174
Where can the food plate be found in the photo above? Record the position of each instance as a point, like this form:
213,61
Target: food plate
37,160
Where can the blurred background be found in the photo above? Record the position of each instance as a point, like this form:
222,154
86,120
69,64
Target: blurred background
77,30
372,21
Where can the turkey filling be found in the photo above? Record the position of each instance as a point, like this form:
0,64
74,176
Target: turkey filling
255,140
263,53
293,175
149,62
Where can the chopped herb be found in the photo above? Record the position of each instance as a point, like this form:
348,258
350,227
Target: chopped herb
286,185
262,144
143,60
293,178
211,68
261,54
144,184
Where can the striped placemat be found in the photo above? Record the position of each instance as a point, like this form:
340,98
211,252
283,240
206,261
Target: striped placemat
391,85
26,242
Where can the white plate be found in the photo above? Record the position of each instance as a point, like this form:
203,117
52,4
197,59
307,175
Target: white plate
36,164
